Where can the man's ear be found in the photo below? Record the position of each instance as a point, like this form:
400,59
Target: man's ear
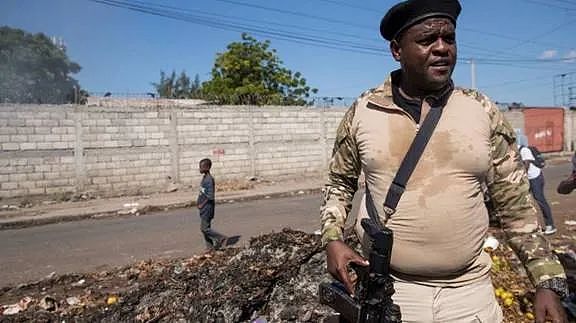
395,50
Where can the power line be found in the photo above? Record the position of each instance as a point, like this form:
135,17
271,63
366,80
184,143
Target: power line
312,40
538,36
500,84
497,35
264,22
293,13
268,32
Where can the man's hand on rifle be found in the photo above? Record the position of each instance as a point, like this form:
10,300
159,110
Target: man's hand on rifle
338,257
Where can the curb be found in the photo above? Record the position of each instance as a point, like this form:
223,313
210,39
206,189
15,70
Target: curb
38,220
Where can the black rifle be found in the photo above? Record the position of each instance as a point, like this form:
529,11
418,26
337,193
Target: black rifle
373,300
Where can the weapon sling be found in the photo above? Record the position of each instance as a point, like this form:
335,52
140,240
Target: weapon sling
406,169
378,306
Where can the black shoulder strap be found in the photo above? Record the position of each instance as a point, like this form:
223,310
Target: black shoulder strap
407,167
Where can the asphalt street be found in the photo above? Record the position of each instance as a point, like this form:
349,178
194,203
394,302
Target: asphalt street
32,253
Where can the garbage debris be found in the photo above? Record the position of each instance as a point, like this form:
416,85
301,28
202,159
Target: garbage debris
73,300
129,209
112,300
12,309
490,243
274,278
48,303
51,275
78,283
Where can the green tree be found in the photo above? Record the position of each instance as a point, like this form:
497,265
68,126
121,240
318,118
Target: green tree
250,72
180,87
35,70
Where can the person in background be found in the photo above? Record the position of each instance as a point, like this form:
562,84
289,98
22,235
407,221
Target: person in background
568,185
536,179
206,204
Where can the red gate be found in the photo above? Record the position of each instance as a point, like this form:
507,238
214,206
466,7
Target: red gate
544,128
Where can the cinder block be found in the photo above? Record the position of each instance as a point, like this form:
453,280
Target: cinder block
99,180
37,191
103,137
67,123
43,168
57,190
10,146
26,185
25,130
58,130
103,122
68,137
50,123
60,145
33,122
52,138
13,122
34,177
9,185
42,130
15,177
152,142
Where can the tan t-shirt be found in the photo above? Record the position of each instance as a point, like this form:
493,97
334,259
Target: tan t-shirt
441,220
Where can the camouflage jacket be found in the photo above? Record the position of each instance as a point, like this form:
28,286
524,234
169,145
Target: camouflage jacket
505,178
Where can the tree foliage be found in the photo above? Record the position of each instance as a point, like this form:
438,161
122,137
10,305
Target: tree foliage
180,87
35,70
250,72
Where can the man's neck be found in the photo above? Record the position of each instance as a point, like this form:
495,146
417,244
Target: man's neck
412,92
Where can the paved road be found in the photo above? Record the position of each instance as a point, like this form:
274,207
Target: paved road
32,253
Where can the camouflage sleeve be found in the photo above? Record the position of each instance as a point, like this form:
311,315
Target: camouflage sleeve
342,183
509,189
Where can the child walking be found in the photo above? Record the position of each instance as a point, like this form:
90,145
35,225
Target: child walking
206,204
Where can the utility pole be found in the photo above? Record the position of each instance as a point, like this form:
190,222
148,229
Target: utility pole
473,73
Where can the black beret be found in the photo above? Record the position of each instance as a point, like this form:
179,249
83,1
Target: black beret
408,13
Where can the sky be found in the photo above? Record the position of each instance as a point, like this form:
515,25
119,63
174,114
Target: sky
519,47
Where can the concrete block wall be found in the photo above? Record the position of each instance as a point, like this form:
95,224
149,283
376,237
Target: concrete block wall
515,118
37,150
123,149
287,142
113,150
222,134
570,130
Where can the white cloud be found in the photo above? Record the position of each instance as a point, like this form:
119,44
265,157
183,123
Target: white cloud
550,53
571,56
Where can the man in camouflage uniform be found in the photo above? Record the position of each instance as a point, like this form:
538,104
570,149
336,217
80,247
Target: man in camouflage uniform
440,269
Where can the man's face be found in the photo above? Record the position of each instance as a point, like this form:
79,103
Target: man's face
427,53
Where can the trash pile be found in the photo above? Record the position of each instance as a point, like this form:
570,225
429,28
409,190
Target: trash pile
513,289
273,279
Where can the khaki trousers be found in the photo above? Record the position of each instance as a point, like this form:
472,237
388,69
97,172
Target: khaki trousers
471,303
